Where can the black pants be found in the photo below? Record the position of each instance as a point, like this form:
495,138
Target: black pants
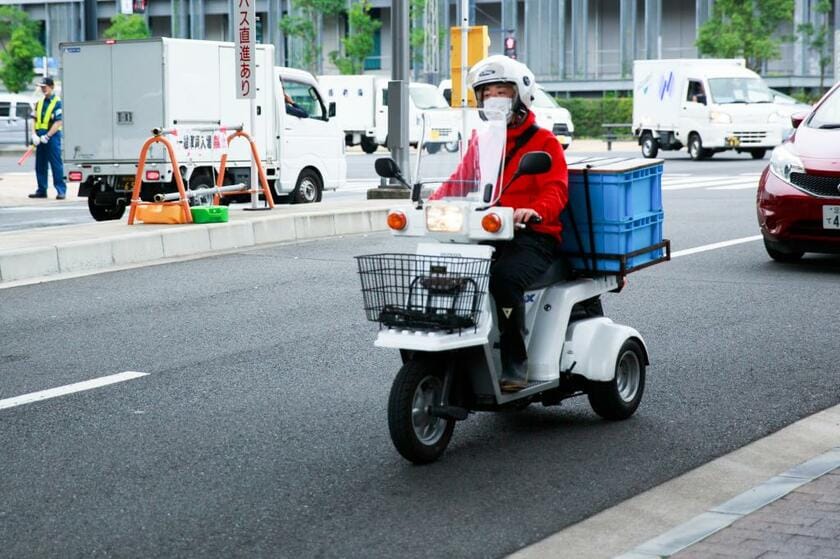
516,265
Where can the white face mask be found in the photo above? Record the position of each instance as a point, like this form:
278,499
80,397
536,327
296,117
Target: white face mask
499,107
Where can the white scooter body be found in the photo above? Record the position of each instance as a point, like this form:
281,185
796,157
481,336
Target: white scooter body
588,347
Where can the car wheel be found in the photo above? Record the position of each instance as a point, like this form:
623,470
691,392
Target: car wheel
781,253
758,153
432,148
650,146
368,145
308,188
695,148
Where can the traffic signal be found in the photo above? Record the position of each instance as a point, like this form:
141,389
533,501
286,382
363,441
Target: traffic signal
510,47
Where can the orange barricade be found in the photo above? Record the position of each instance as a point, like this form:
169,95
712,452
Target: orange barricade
256,158
185,215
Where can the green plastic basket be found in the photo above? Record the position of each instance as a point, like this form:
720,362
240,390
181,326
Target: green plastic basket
209,214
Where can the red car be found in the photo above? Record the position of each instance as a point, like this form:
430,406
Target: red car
799,192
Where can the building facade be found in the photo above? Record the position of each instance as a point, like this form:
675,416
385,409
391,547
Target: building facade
573,46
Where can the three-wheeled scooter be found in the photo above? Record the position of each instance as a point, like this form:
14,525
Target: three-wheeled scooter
434,307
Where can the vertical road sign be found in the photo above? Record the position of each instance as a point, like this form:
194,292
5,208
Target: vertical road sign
246,82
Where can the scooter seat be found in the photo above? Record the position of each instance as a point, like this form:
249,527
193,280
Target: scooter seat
560,270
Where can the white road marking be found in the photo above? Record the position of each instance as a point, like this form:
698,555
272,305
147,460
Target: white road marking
69,389
747,186
715,246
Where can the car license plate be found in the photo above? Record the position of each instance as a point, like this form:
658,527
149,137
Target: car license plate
831,217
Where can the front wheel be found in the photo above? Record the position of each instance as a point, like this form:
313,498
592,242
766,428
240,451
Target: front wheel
368,145
418,436
618,398
308,188
758,153
432,148
695,148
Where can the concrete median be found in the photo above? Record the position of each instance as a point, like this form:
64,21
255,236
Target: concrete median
48,253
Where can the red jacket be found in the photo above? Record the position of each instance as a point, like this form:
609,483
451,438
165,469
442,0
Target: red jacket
547,193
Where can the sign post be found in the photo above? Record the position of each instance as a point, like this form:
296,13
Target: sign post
245,75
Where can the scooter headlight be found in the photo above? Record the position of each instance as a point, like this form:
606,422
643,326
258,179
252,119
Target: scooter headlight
444,219
783,162
717,117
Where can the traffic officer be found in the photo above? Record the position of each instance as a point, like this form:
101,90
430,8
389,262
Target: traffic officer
47,139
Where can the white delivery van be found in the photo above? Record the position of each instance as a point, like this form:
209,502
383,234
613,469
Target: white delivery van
15,118
706,105
116,92
362,112
550,115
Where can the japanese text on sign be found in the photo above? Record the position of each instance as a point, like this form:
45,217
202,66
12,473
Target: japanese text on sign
246,86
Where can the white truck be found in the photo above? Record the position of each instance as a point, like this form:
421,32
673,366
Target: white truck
706,105
362,111
550,115
116,92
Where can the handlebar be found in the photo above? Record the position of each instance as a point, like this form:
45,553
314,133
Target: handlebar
531,220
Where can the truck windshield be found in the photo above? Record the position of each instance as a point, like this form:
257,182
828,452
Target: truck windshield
543,100
740,90
427,97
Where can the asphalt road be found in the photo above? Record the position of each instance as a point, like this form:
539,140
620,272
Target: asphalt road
260,429
360,176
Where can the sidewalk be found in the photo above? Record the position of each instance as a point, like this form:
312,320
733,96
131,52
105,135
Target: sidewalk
776,497
33,255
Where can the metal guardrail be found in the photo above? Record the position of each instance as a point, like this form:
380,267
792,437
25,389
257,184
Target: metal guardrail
610,134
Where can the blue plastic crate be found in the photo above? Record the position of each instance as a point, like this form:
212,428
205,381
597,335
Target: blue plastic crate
614,238
617,196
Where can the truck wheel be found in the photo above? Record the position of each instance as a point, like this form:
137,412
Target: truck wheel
618,399
432,148
650,146
368,145
452,147
417,435
308,188
758,153
695,148
781,253
197,181
105,213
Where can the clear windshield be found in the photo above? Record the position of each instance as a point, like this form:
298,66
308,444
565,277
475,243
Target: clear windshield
464,170
740,90
827,114
543,100
427,97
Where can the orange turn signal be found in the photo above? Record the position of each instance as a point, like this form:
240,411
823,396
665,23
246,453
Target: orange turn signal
491,223
397,221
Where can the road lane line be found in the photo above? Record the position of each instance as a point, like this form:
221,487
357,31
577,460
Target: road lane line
745,186
715,246
69,389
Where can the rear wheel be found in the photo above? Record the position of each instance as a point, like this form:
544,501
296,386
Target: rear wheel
618,399
758,153
368,145
308,188
650,147
417,435
199,181
105,213
781,253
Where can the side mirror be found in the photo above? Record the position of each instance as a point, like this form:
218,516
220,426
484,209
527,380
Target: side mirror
797,118
488,192
331,110
534,163
387,168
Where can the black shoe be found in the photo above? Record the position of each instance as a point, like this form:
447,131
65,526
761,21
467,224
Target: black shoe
60,197
38,195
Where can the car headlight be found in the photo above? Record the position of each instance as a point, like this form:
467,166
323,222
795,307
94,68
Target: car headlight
774,118
720,118
783,162
444,219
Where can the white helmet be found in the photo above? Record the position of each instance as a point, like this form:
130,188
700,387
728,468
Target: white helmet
502,69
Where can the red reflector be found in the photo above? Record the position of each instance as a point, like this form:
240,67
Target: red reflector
74,176
152,175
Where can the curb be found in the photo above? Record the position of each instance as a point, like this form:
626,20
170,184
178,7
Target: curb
163,242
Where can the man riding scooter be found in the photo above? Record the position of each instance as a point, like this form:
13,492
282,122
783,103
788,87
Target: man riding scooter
507,86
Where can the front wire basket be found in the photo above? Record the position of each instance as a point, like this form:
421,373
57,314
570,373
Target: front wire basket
423,292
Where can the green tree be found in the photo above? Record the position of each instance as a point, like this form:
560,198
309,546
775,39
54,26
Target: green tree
818,37
417,34
127,26
18,46
301,25
358,45
745,28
